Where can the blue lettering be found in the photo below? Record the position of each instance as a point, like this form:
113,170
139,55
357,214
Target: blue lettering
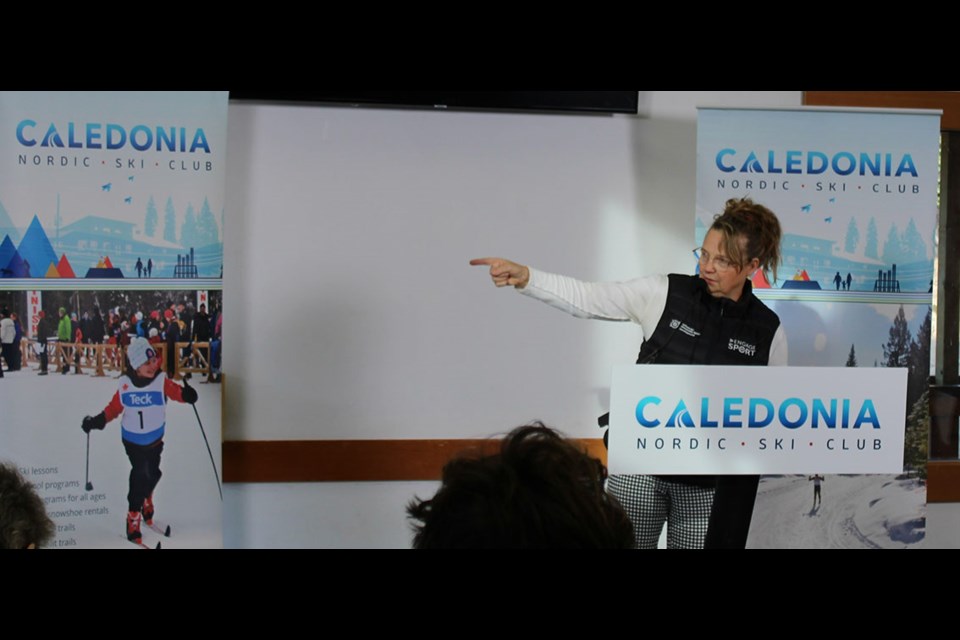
683,414
170,140
705,421
814,169
751,164
793,413
732,409
199,140
771,163
906,165
820,411
851,163
93,135
641,406
720,156
116,136
794,161
874,166
27,142
868,415
72,141
793,402
147,134
52,137
752,420
142,399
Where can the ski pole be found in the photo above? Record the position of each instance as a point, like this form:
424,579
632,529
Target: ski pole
186,382
89,485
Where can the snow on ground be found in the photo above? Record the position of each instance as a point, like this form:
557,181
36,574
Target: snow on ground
40,419
857,511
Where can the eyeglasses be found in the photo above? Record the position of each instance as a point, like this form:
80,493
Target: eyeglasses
720,263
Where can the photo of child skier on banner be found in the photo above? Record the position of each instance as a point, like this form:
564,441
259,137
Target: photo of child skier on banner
141,401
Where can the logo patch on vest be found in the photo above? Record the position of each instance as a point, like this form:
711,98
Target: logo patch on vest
740,346
684,328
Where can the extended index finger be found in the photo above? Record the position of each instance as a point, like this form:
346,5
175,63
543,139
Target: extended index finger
489,262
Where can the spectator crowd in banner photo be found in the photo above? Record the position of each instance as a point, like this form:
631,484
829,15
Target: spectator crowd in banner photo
177,323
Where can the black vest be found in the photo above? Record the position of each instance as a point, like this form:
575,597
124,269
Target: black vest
698,328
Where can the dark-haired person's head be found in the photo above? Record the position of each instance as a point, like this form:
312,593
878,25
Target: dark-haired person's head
24,523
538,492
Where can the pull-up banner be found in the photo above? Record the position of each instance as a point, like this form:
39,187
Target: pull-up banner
855,191
111,222
700,420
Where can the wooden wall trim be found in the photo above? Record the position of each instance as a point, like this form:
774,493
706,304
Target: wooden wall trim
351,460
943,481
948,101
419,460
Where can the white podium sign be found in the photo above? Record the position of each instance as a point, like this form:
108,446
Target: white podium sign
706,420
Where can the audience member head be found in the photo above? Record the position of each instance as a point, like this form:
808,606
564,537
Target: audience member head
538,492
24,523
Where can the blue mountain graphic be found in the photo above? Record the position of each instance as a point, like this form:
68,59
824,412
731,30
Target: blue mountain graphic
6,252
7,228
35,249
15,268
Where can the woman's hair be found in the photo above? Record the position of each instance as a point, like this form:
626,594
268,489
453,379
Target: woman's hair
750,230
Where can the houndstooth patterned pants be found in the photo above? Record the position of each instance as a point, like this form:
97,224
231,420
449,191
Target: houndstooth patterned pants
650,502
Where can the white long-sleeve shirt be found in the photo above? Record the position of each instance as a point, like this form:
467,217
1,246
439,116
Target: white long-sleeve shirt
641,300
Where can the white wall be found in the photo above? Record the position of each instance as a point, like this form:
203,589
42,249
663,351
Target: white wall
336,515
348,236
943,526
352,313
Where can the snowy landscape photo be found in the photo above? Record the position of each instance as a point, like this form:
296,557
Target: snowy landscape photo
42,435
854,512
